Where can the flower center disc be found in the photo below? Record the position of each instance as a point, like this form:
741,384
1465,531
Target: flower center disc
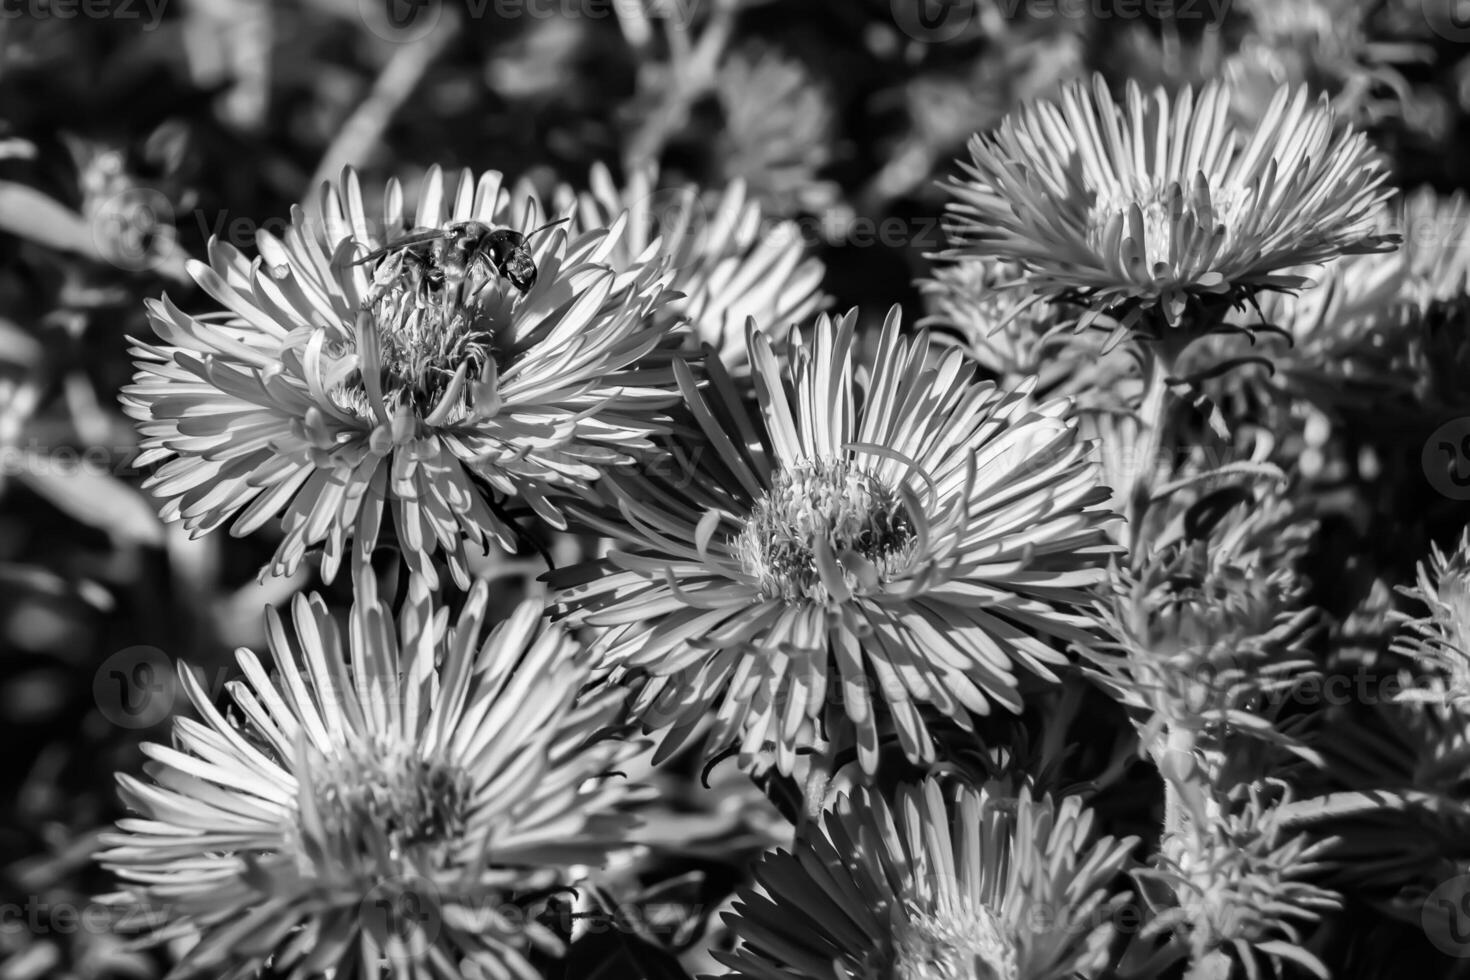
428,326
854,513
410,801
1164,208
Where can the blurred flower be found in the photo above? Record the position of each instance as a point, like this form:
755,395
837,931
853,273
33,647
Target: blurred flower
1003,330
1361,338
777,133
388,795
966,883
1236,884
1320,42
1208,628
941,109
1440,642
730,261
1327,45
1146,206
332,389
1436,232
928,532
1013,336
1437,240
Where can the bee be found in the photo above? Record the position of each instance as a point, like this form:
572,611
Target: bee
446,256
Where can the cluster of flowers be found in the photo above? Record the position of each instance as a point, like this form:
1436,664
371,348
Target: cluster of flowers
820,544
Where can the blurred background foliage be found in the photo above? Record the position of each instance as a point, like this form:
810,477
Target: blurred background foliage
131,133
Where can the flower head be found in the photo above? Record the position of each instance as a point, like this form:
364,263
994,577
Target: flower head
1001,329
1207,633
965,884
778,129
730,261
344,380
1440,642
925,531
1152,204
389,794
1241,883
1016,337
1373,329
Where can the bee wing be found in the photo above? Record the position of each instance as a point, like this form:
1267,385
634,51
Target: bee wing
417,238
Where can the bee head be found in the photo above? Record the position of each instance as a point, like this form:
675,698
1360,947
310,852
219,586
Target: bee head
512,257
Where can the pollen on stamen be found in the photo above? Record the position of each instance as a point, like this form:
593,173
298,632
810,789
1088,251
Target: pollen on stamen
853,511
1163,208
410,800
424,336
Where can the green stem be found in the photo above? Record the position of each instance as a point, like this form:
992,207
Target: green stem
1158,363
1177,746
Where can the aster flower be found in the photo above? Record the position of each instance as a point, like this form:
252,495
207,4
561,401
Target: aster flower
1331,344
1242,885
1011,336
1440,642
1016,338
331,390
1349,354
1436,232
729,260
387,795
1149,205
926,532
1327,45
1437,236
777,131
962,882
1207,631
